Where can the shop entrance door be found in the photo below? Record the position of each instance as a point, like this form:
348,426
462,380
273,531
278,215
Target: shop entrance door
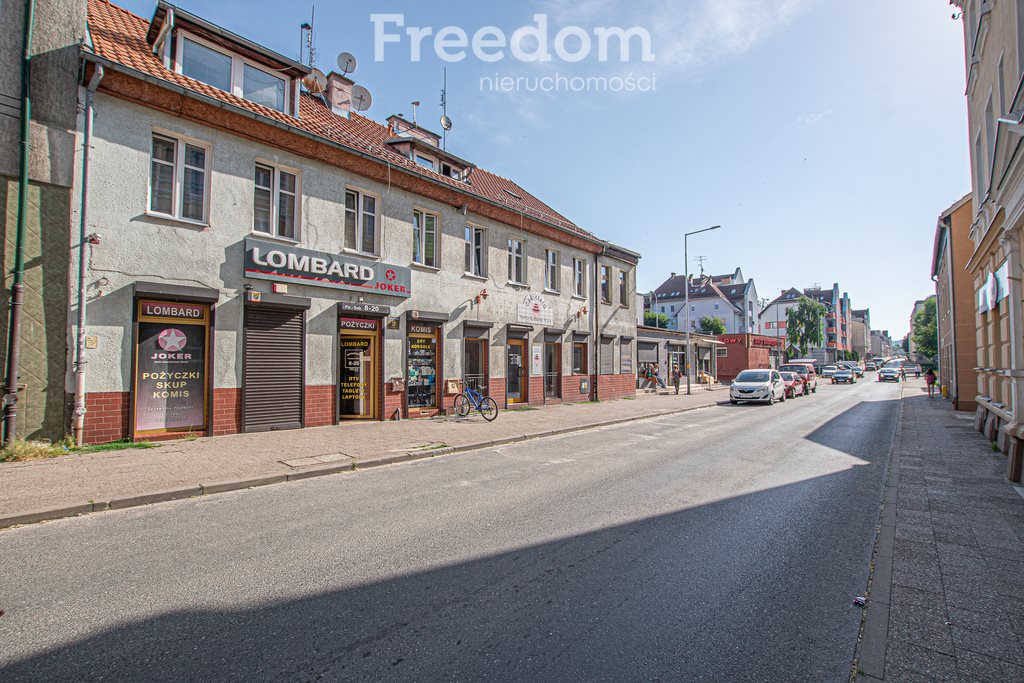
516,389
358,386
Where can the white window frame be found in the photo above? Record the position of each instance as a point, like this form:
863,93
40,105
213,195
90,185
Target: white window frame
360,211
477,252
551,270
434,165
238,63
579,278
512,261
423,213
275,183
179,177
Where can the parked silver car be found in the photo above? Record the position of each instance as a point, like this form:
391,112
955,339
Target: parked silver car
762,386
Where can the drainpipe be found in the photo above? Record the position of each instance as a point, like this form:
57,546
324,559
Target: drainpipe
83,242
17,288
596,317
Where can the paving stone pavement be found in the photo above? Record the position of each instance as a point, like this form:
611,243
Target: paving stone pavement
184,468
956,602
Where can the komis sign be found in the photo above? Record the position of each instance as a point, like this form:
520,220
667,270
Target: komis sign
268,261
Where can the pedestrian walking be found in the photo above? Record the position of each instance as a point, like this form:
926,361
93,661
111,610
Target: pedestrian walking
929,379
676,376
903,373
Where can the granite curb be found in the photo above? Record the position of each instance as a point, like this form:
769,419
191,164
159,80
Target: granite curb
356,465
869,661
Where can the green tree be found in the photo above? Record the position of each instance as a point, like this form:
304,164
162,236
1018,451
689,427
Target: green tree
652,319
926,331
803,325
710,324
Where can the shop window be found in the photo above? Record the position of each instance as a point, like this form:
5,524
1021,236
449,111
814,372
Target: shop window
516,261
474,365
179,178
606,292
579,278
424,238
361,222
551,270
275,202
422,381
579,358
475,262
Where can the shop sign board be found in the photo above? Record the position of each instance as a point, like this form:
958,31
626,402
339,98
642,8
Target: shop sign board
171,366
285,263
535,310
537,360
373,309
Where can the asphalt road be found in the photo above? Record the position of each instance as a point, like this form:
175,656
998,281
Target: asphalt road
724,544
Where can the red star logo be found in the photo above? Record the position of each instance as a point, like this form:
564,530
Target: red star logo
390,275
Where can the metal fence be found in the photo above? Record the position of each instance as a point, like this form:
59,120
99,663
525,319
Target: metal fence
476,383
552,385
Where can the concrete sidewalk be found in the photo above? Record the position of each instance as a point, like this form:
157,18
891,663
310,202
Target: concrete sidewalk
947,589
90,482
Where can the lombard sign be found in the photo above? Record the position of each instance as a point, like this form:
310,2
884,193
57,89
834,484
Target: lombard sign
535,309
283,263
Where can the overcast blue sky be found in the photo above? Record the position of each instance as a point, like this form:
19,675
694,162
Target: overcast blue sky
825,137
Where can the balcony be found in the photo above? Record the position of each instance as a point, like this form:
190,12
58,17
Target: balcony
832,345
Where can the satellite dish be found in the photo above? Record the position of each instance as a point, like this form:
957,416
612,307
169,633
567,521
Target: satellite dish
361,98
347,63
446,122
315,81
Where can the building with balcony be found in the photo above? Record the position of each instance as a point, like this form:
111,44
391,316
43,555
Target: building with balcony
273,259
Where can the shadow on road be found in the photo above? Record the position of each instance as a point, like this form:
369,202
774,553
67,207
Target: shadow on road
755,585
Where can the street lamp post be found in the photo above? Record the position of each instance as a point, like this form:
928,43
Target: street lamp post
686,273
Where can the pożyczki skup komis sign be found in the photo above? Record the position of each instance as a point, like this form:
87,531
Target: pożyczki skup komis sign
171,366
283,263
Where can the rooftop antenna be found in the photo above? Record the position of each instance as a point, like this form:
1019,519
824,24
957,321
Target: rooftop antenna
361,98
701,260
446,122
415,104
306,49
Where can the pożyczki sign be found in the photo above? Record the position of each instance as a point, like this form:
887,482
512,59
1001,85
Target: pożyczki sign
171,366
284,263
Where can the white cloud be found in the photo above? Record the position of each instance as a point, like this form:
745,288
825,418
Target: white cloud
691,34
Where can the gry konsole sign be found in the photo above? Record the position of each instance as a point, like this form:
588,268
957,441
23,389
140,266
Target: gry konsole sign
271,261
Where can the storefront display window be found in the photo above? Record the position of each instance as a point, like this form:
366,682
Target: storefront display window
422,367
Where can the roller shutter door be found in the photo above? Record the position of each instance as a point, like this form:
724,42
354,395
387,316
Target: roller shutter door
272,373
607,356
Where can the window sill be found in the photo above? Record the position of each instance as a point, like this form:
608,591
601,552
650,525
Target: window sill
517,285
174,219
577,297
360,254
474,276
425,268
552,291
274,238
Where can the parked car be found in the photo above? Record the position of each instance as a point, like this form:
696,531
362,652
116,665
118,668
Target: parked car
844,376
829,370
763,386
794,384
870,366
806,372
889,374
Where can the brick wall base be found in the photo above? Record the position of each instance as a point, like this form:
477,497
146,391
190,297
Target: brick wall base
321,405
611,387
227,411
106,416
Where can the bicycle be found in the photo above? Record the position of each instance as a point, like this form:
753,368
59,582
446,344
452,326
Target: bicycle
471,399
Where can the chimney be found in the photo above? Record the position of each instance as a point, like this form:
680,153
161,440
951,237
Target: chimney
339,93
672,275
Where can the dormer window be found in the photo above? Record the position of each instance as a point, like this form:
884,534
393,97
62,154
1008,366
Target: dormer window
231,73
425,162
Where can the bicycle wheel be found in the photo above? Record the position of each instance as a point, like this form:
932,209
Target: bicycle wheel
489,409
461,405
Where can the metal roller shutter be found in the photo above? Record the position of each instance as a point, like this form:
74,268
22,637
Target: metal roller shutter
272,373
607,356
647,352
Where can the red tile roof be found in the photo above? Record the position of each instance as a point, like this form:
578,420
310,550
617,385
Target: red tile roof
120,36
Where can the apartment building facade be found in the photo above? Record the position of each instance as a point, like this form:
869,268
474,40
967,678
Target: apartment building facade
272,259
836,333
954,305
994,66
731,298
